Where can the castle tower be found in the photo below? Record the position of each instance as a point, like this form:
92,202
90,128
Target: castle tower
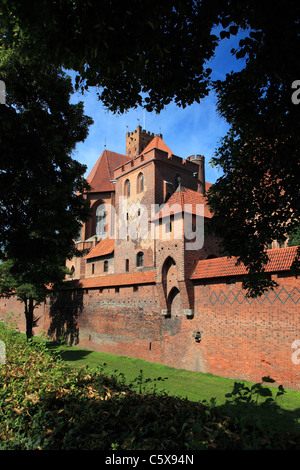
137,140
200,161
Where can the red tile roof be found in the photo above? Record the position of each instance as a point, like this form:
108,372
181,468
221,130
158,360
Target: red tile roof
181,197
157,143
111,280
103,172
279,260
104,247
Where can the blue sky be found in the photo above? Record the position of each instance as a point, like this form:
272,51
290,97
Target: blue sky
196,129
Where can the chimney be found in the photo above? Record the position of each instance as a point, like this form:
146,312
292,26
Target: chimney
200,161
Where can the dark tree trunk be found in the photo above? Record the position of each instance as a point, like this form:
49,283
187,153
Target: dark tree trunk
29,308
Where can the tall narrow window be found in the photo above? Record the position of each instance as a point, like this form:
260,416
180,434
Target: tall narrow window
140,182
127,188
127,265
100,220
93,268
105,266
140,258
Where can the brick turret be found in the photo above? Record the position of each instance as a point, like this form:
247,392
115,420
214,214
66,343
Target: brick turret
137,140
200,161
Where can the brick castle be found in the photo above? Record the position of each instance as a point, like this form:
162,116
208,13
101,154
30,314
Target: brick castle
151,289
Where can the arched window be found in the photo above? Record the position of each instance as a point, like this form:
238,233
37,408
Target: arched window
100,220
105,266
140,182
127,188
140,258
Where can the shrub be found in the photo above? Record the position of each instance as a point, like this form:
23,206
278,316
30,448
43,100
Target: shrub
46,404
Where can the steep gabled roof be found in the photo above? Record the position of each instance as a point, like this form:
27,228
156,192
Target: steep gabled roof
279,260
103,172
179,200
104,247
157,143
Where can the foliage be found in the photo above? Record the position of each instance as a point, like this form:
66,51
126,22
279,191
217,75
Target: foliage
41,201
136,53
47,405
256,201
42,205
294,238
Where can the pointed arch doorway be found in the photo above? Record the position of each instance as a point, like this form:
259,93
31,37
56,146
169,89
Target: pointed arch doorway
170,287
174,303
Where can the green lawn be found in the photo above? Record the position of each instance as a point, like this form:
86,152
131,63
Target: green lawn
192,385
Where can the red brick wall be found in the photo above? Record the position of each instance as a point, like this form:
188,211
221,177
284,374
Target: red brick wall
228,335
12,312
128,249
249,338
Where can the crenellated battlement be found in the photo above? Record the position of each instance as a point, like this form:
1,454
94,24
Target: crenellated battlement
161,155
137,141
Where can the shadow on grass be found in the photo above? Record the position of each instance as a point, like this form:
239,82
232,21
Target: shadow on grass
273,419
72,355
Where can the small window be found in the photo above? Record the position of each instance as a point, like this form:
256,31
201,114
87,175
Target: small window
127,265
105,266
169,226
140,259
93,268
127,188
140,183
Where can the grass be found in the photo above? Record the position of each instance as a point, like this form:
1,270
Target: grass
194,386
48,401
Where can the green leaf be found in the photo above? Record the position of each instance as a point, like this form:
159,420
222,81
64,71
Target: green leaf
233,30
265,392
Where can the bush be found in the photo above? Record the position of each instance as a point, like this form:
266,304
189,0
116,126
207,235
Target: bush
46,404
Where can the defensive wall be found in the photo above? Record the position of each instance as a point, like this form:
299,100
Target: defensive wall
227,333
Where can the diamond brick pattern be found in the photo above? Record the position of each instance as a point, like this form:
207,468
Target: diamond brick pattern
283,295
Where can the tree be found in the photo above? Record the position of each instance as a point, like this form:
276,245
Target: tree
17,283
42,205
149,53
294,238
136,53
256,201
